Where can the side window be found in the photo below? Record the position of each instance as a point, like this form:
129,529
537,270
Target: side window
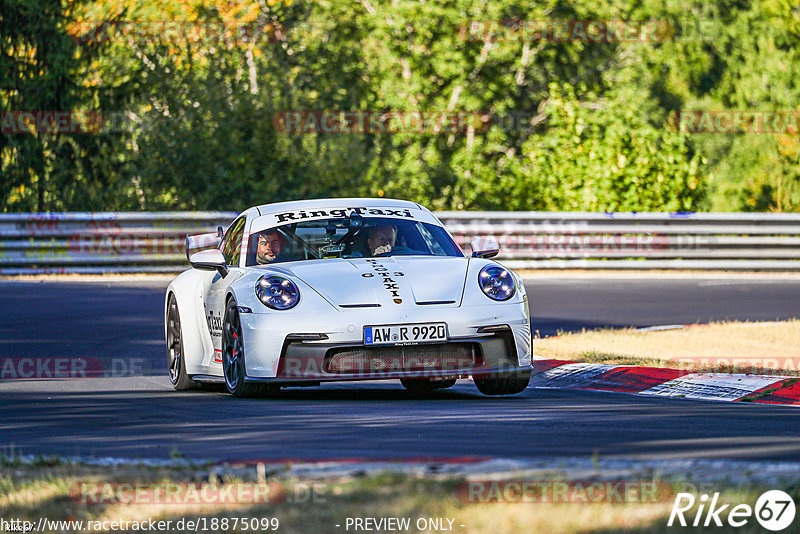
231,244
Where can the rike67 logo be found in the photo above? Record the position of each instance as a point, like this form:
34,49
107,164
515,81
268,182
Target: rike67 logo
774,510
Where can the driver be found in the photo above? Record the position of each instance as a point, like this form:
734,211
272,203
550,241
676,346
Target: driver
381,239
269,247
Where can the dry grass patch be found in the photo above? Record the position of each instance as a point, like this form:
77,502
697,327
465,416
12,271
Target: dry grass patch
769,347
31,492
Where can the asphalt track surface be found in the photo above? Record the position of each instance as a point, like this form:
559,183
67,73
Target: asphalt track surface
141,417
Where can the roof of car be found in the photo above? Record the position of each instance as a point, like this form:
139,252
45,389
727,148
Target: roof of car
265,209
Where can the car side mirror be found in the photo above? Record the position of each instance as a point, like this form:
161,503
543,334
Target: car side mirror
210,260
484,247
198,242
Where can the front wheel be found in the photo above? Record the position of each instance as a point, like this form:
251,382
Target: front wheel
233,362
175,361
503,382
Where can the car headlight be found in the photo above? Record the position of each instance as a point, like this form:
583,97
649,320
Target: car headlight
277,292
496,282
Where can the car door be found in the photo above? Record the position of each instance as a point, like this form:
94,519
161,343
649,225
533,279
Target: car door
231,247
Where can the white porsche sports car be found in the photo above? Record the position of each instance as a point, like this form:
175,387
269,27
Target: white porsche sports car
298,293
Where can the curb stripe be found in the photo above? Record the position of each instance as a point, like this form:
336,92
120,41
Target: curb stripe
540,366
788,393
711,386
571,376
663,382
636,379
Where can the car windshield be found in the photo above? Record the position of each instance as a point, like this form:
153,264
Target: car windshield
349,237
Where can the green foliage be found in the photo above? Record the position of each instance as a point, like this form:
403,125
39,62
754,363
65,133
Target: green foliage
571,125
617,160
42,69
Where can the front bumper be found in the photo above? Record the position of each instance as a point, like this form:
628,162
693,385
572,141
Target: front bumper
480,339
459,358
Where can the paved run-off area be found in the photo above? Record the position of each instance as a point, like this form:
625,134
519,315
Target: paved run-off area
141,417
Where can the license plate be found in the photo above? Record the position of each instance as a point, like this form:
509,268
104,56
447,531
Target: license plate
404,334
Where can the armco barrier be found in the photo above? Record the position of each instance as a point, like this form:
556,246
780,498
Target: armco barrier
592,240
34,243
90,243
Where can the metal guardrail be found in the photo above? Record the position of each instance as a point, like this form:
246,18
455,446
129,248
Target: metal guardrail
596,240
33,243
100,242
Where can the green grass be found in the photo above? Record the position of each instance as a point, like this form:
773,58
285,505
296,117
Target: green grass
621,359
29,491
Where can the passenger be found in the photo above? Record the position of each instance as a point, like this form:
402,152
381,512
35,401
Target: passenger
381,239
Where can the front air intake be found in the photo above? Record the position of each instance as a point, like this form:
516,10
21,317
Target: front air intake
397,359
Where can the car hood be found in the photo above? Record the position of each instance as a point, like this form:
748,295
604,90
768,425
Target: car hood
390,281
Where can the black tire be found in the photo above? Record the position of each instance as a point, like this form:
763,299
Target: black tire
503,382
423,385
233,354
176,366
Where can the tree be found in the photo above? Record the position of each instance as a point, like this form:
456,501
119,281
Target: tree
48,165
